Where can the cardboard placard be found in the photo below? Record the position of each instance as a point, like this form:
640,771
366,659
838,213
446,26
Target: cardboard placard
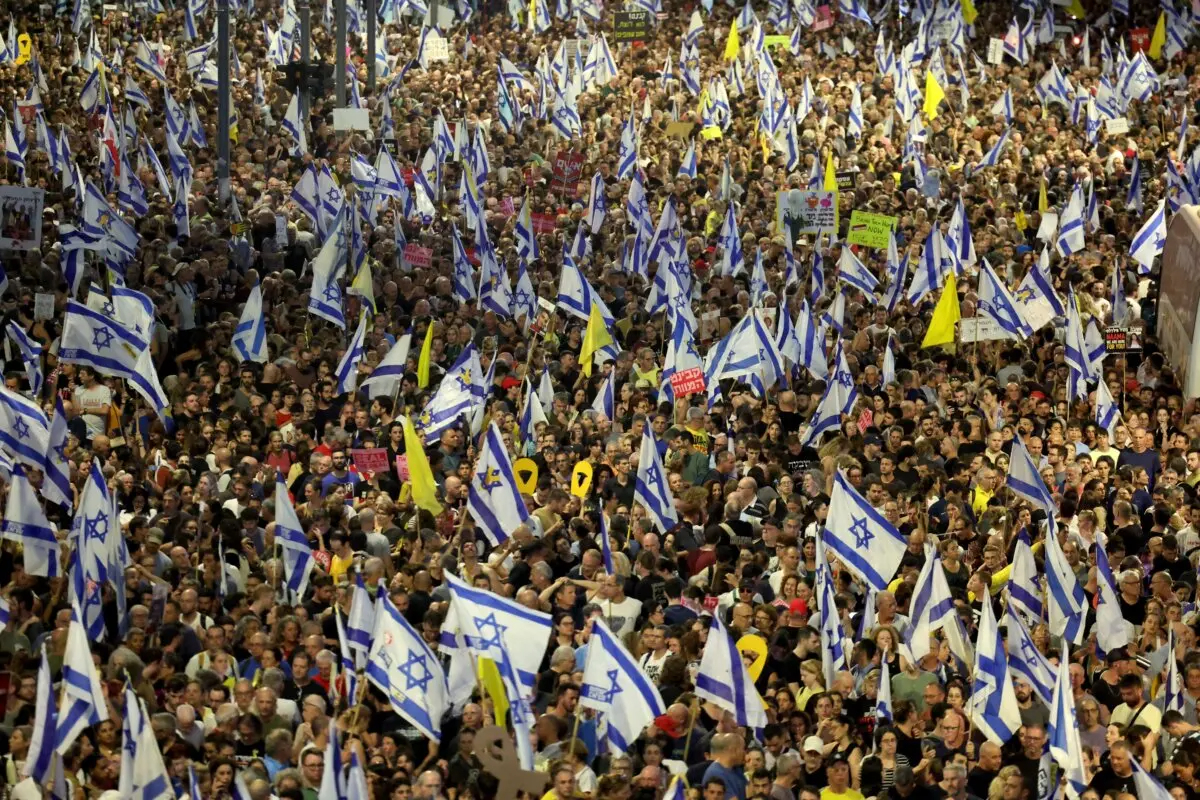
24,49
800,211
525,470
995,54
417,256
870,230
544,223
687,382
981,328
370,459
822,19
680,130
1115,127
43,306
631,26
846,180
436,48
1123,338
402,467
776,40
21,217
568,167
581,479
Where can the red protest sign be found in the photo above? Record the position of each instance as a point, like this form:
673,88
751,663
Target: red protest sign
370,459
402,467
507,207
1139,40
417,256
688,381
823,19
408,173
568,167
544,223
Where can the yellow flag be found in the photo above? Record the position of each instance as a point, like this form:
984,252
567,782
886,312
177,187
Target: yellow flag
732,46
420,474
1020,221
594,338
933,95
830,184
1160,36
968,11
364,286
1043,203
945,316
426,356
1075,9
489,678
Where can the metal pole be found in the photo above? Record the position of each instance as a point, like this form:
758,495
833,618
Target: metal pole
305,55
340,62
223,99
372,15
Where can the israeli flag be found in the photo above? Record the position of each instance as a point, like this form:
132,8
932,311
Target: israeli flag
1024,594
724,681
56,484
1078,360
833,636
407,671
883,698
854,272
347,368
992,157
83,702
928,274
95,340
1063,730
604,402
31,355
325,296
360,622
992,704
862,538
290,535
1149,241
25,523
932,609
628,149
1025,480
615,686
143,774
41,756
827,417
1070,225
250,336
687,168
1027,662
1112,631
997,302
493,499
24,430
1133,199
650,488
1068,605
1004,108
527,246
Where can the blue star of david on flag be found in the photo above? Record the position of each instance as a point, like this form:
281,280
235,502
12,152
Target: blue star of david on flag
862,534
21,428
96,527
415,672
493,639
101,338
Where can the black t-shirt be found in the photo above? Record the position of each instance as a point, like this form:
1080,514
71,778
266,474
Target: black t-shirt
1135,612
1106,781
979,780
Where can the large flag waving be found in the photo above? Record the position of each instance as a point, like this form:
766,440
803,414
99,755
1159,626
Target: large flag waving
614,685
724,680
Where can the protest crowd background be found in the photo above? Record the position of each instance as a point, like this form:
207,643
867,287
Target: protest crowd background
669,400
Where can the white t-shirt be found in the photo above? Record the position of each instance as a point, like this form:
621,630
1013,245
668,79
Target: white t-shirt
89,402
653,666
622,616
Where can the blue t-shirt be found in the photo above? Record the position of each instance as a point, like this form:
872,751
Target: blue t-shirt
735,781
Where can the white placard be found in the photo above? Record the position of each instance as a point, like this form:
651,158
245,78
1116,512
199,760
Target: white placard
995,51
1048,227
43,306
281,230
1116,126
981,329
352,119
546,305
436,48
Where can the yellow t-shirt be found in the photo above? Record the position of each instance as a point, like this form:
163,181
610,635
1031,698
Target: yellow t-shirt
338,567
849,794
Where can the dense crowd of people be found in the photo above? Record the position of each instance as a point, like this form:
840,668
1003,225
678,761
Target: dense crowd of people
492,289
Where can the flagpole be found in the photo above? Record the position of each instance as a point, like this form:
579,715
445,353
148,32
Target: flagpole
687,736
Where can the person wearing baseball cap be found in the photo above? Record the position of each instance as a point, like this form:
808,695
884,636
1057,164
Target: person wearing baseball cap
813,770
838,772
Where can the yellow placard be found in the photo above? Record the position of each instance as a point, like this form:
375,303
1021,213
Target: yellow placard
776,40
24,49
680,130
870,230
752,643
526,472
711,132
581,479
1020,221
